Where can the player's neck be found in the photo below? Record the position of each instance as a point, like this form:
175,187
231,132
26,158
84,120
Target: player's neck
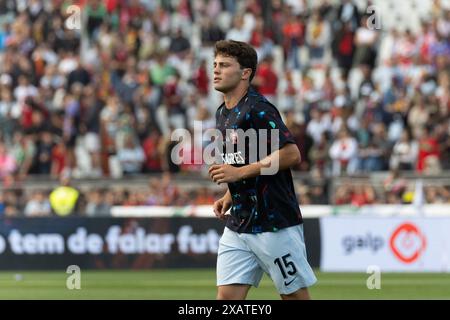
233,97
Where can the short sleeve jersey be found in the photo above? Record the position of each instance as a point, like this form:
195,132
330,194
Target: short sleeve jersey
265,203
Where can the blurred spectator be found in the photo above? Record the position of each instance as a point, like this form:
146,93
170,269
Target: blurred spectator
97,205
44,153
342,195
131,156
12,204
319,153
318,38
238,32
304,143
319,124
345,48
169,190
294,38
210,32
318,195
201,79
7,161
78,75
96,13
38,205
266,80
404,153
64,198
152,153
204,197
343,153
288,100
174,91
347,13
178,43
373,156
2,205
365,40
428,153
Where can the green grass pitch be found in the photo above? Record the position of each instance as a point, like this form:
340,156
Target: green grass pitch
200,284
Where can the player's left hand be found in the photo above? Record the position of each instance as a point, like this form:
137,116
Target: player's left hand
224,173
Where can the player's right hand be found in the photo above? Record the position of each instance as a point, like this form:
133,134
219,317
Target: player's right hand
221,206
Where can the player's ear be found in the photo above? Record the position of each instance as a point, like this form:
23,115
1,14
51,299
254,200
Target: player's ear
246,73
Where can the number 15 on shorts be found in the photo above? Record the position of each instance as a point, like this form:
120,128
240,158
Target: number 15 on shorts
287,267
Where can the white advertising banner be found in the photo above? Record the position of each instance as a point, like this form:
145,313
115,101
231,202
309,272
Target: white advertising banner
391,244
205,211
308,211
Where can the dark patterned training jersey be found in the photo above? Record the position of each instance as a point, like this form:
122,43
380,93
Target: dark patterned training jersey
266,202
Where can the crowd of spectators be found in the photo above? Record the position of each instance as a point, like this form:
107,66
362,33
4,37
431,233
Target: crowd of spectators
98,201
400,192
102,100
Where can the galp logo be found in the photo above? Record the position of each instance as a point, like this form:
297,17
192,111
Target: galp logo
407,243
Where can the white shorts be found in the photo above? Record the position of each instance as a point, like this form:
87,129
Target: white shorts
244,257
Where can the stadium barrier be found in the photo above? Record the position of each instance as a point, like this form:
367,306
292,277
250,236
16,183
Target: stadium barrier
344,239
119,243
308,211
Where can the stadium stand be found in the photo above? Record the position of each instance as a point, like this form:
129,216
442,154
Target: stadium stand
98,103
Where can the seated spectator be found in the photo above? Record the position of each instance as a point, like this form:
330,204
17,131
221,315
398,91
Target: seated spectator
404,153
319,153
318,37
372,157
428,150
151,147
318,195
365,40
342,195
96,205
204,197
38,205
7,161
2,205
343,153
266,80
131,156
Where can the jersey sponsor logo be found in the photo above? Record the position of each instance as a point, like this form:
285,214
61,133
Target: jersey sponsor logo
233,158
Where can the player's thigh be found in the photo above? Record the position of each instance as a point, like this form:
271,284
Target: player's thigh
233,292
236,263
283,255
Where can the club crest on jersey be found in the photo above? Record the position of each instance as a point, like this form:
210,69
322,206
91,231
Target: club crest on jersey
233,137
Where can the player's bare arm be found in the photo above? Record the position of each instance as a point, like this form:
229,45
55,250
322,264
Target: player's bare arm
222,205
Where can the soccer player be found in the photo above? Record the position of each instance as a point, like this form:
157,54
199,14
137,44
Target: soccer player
264,232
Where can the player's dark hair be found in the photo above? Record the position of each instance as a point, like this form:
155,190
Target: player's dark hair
244,53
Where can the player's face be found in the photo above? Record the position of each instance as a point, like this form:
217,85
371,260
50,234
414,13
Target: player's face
227,73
